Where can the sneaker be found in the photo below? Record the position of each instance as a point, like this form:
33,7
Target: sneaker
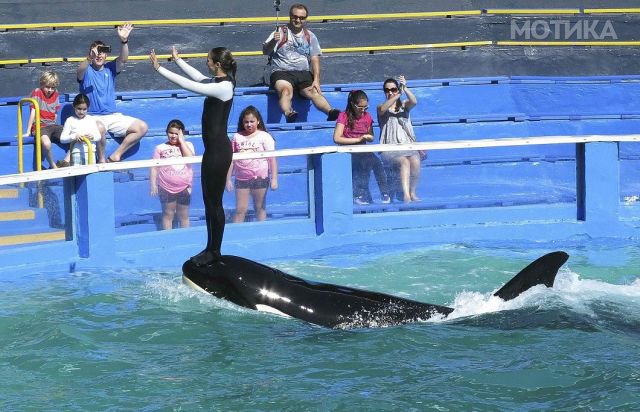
360,200
333,115
291,116
386,198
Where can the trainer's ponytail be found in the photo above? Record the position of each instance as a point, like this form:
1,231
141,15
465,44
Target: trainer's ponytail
228,64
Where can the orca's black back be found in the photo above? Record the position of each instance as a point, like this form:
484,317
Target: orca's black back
250,284
257,286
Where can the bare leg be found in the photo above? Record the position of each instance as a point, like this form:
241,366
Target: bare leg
46,148
183,215
259,196
168,212
285,95
405,173
102,143
317,99
415,176
136,131
242,204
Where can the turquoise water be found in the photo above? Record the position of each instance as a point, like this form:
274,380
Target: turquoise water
141,340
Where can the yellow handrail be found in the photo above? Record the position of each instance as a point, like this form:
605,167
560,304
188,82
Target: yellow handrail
353,49
350,49
237,20
86,141
38,147
35,104
323,18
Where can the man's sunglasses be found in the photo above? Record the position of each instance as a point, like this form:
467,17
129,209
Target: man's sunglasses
294,17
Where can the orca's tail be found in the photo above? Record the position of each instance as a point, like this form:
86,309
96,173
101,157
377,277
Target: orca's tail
541,271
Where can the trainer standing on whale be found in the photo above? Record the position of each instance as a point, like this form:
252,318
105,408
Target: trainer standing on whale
217,155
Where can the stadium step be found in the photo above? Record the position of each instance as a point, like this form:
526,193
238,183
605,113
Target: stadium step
27,214
32,238
21,224
12,199
10,193
23,221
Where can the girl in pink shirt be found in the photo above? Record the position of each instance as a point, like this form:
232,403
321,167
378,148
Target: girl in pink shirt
355,126
173,183
253,176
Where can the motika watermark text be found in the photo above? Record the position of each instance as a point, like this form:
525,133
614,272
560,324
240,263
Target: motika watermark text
563,30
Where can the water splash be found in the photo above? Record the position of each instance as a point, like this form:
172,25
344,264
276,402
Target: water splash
169,288
606,304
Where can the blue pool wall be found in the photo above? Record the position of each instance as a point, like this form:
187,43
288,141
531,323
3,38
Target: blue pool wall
332,224
450,109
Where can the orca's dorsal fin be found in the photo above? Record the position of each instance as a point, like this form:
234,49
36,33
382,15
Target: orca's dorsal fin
541,271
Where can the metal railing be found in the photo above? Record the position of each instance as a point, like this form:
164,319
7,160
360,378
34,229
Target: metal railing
87,142
326,18
38,147
434,145
21,136
338,18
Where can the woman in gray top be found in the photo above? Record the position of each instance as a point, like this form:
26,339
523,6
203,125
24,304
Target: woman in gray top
396,128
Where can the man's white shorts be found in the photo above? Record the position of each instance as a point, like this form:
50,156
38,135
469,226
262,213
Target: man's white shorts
116,123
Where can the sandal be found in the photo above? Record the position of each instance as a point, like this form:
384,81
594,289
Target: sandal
62,163
291,116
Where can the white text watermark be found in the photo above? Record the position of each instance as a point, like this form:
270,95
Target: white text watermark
563,30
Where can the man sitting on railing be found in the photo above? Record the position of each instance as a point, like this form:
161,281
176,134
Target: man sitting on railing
97,80
294,58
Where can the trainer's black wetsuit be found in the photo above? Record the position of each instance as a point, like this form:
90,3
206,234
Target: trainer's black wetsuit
217,155
216,160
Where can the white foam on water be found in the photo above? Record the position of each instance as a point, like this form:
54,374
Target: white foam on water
569,290
183,294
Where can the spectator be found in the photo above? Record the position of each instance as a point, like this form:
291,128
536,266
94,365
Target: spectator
355,126
173,183
79,126
252,175
48,101
97,80
217,155
294,56
396,128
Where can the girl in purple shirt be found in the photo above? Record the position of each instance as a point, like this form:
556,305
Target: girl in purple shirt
355,126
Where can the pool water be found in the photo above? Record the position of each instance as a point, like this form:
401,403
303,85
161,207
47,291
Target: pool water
141,340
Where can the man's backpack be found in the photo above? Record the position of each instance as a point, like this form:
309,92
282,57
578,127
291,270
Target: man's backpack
284,36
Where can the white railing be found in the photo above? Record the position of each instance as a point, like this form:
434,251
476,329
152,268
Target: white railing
436,145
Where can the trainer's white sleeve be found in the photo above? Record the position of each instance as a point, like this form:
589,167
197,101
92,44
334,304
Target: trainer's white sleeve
222,90
190,71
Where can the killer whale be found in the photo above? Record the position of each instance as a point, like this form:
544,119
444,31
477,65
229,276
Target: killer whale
256,286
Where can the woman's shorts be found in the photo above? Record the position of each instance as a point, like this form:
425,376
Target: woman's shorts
389,157
183,198
259,183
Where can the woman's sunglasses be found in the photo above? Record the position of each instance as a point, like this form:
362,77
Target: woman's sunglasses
391,90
